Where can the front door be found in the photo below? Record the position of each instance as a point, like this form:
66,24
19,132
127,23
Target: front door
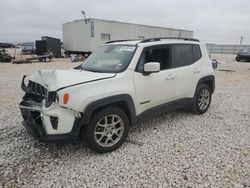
157,88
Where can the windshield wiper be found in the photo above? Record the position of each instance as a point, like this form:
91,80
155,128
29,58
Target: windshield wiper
91,70
78,67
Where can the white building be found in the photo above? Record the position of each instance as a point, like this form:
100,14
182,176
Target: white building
83,36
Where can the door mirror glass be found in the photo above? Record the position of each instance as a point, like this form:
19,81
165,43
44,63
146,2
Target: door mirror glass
151,67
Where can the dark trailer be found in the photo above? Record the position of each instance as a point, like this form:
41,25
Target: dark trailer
6,45
48,45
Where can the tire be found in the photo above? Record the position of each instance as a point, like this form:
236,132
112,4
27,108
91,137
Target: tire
100,135
47,59
202,99
237,58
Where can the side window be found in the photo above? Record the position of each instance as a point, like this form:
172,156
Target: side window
197,52
158,54
183,55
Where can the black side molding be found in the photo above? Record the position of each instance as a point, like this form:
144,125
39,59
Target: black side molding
163,108
205,79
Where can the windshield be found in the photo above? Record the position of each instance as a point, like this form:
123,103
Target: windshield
246,50
109,59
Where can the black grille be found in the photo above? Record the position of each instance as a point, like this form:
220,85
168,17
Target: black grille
33,122
37,89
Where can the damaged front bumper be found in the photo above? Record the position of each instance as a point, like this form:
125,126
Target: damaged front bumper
39,125
51,123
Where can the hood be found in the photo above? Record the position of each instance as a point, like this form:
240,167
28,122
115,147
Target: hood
57,79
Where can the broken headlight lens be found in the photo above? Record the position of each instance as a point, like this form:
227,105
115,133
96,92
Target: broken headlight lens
51,97
57,98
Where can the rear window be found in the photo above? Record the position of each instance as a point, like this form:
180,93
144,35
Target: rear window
186,54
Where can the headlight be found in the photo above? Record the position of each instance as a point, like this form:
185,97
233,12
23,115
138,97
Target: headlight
51,97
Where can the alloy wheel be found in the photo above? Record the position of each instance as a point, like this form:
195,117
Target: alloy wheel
204,99
109,130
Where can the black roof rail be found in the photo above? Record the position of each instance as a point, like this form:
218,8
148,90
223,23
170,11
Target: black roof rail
159,39
112,41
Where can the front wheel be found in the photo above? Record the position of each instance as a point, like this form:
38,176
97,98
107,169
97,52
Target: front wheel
237,58
202,99
107,130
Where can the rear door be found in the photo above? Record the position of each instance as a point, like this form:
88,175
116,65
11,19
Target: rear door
186,60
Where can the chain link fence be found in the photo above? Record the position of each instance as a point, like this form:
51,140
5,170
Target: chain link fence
225,48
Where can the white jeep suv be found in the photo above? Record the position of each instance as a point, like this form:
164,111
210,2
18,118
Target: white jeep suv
120,83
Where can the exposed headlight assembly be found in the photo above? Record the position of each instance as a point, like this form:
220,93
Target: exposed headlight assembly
51,97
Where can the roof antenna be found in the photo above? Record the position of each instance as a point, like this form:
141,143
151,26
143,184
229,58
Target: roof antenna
241,39
84,15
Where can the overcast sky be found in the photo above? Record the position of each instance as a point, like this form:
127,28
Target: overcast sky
219,21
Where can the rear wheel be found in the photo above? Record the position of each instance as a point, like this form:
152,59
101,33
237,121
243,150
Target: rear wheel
47,59
107,130
202,99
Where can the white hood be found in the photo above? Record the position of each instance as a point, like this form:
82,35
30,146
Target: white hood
56,79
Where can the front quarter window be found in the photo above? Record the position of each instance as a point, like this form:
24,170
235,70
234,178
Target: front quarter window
109,59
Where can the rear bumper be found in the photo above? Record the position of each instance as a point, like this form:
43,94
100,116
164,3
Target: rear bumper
34,123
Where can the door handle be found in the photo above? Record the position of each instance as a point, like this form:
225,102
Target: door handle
197,70
170,76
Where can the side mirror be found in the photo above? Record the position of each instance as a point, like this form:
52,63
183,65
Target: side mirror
215,63
151,67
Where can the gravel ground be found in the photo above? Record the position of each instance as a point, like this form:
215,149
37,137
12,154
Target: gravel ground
179,149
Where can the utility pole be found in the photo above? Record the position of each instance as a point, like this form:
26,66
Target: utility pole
241,39
84,15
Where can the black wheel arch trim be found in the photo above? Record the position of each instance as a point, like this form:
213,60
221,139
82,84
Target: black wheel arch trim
203,80
122,98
